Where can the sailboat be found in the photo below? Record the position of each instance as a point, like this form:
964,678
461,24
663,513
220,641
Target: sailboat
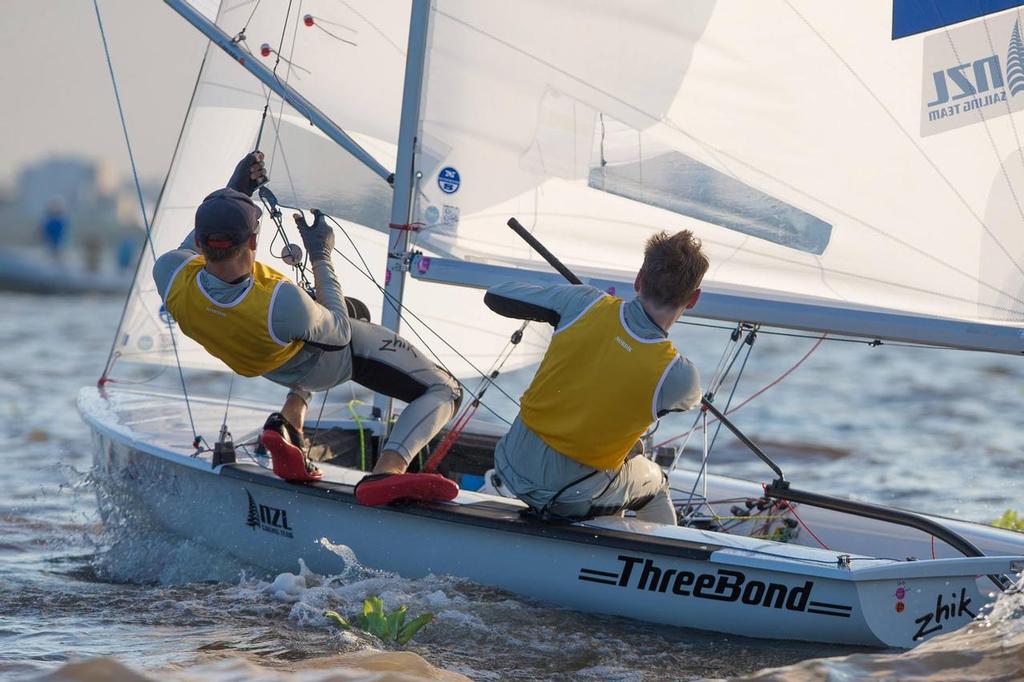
852,170
32,272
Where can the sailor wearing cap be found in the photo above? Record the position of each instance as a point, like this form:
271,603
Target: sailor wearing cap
258,322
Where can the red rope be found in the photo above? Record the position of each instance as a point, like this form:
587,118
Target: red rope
406,227
804,525
449,440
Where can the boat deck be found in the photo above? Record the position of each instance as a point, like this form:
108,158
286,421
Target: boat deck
158,424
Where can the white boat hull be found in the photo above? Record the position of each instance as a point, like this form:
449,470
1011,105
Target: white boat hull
30,272
674,576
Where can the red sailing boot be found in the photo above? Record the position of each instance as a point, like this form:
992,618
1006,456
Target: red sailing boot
378,489
286,447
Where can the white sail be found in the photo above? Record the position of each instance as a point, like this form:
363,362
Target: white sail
841,179
814,154
359,87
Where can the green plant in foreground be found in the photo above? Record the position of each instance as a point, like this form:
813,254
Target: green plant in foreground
381,624
1010,520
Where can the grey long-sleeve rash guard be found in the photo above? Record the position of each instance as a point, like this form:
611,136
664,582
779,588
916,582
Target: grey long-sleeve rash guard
530,467
323,324
562,304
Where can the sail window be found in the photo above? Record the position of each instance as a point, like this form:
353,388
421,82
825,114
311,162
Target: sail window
675,182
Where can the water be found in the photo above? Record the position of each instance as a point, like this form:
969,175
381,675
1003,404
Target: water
932,430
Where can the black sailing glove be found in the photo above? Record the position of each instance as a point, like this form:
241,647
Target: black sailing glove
318,237
249,174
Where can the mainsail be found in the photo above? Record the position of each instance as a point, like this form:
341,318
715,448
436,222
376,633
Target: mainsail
814,155
843,180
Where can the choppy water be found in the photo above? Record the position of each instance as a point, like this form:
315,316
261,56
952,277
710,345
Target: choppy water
932,430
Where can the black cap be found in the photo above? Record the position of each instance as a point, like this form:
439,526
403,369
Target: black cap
226,218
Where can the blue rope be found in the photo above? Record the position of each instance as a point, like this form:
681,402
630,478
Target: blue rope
145,218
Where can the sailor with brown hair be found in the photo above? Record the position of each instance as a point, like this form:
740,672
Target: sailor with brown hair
609,373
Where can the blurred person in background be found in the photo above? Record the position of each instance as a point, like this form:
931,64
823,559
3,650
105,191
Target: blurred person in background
92,253
54,227
126,254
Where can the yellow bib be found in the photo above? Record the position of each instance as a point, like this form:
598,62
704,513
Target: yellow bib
238,333
595,391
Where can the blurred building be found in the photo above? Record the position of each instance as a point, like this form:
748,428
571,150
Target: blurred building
98,206
84,187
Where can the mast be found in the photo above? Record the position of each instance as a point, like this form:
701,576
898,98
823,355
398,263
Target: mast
405,181
237,52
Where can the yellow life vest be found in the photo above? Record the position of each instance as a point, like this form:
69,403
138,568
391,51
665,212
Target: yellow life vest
595,392
239,333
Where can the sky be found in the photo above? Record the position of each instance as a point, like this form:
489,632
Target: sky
57,95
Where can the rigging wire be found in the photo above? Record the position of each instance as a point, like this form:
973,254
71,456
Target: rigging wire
365,270
335,35
381,32
736,339
227,403
874,343
792,509
759,392
196,438
255,7
732,393
403,310
114,353
280,110
281,44
316,428
271,210
402,315
470,409
730,349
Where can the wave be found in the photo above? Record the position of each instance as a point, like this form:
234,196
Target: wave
363,666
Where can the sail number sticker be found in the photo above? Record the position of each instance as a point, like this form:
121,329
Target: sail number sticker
448,180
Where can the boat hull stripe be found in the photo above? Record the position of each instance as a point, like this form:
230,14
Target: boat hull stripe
826,605
598,580
828,613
